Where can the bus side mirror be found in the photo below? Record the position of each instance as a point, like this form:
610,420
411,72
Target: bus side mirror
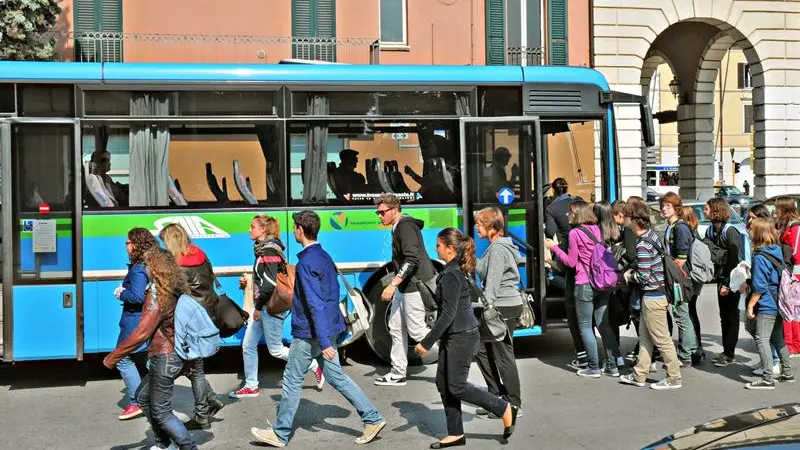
646,118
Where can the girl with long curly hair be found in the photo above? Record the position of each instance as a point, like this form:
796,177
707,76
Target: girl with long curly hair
157,324
131,294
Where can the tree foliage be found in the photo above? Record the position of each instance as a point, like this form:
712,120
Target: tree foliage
24,27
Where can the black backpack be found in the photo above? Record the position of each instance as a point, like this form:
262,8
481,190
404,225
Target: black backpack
677,286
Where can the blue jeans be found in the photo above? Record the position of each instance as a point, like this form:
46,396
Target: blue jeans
301,353
130,376
588,306
271,328
155,398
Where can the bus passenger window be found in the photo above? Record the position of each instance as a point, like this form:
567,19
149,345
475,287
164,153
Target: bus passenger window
360,160
571,148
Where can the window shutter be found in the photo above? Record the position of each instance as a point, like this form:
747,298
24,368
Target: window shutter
326,30
92,17
83,11
557,30
495,33
314,29
111,22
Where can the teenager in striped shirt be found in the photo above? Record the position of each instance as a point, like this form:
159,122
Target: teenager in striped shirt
653,329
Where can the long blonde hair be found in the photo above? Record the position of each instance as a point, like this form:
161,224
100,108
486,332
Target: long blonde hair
175,239
168,277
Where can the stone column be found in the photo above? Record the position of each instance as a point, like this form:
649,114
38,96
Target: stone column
696,151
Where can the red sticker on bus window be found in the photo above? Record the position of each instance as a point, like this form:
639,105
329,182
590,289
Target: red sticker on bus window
44,208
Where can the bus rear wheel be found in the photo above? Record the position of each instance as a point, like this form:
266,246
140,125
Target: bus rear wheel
378,336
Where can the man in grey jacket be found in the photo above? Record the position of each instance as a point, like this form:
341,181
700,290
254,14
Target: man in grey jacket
413,268
498,271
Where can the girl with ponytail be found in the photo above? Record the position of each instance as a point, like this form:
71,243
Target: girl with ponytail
456,330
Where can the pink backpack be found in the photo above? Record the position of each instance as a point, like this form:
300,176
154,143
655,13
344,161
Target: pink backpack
604,274
788,290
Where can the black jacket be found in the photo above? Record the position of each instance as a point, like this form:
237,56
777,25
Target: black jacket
265,269
409,257
455,305
201,278
556,222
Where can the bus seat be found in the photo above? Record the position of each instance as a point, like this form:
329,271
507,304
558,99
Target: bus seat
174,192
94,185
373,185
397,180
335,182
242,184
383,180
220,194
272,177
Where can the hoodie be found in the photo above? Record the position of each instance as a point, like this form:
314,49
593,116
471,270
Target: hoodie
265,271
766,279
201,278
409,257
579,252
499,272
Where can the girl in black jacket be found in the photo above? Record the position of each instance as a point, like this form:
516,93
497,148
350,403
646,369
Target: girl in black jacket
268,250
456,329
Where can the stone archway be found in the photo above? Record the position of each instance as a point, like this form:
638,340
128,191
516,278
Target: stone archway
633,37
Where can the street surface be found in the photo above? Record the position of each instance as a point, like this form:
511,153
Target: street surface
72,405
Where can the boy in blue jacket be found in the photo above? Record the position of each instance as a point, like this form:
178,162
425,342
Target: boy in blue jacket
317,321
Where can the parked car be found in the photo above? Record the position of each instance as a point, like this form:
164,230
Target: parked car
659,224
735,197
770,202
653,195
765,428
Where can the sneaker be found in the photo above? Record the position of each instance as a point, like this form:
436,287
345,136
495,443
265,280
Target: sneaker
590,373
776,370
194,424
320,378
611,372
629,379
245,392
390,379
267,436
214,407
370,432
723,361
653,367
760,385
666,384
632,355
698,359
130,412
578,364
786,379
172,446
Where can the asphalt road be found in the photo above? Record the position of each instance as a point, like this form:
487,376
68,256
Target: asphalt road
72,405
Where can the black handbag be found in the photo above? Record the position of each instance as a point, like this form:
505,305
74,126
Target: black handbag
229,317
491,327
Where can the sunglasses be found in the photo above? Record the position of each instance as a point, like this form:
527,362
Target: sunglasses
382,212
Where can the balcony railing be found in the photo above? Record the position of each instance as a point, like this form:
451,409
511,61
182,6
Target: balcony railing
524,56
101,46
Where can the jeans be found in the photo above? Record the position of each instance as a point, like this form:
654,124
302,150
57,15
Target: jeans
588,306
750,327
271,328
572,317
130,376
687,337
729,321
456,352
201,389
406,318
654,331
301,353
497,363
769,329
155,398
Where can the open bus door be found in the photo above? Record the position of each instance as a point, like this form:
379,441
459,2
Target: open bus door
490,149
41,295
5,240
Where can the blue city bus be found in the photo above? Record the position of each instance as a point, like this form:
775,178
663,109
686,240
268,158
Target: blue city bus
91,150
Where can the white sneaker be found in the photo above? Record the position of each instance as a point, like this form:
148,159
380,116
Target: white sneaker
390,379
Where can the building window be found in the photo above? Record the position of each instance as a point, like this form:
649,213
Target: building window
314,29
98,28
495,32
747,114
744,81
394,22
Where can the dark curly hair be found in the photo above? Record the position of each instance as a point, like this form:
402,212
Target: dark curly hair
167,275
142,240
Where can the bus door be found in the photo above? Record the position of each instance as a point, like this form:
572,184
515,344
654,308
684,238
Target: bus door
5,238
40,241
499,168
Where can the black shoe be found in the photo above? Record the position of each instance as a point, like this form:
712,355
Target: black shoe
457,443
193,424
698,359
214,407
508,431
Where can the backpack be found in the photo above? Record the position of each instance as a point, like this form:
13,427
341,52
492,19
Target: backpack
604,273
355,313
788,298
702,267
196,336
718,248
677,286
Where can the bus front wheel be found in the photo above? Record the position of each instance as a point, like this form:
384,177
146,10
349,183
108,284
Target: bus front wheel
378,336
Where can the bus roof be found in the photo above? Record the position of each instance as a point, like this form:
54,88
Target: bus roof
20,71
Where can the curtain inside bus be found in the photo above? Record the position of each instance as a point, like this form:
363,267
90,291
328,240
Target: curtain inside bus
149,150
315,180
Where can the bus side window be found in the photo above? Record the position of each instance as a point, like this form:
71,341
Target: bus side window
651,177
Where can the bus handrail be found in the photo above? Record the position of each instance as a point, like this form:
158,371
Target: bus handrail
521,241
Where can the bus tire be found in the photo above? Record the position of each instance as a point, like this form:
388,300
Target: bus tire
378,336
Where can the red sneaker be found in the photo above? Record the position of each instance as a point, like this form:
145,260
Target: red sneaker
320,377
245,392
130,412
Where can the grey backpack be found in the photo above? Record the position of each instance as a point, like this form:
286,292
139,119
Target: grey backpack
700,261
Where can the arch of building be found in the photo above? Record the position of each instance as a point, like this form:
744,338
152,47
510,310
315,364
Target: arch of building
633,37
